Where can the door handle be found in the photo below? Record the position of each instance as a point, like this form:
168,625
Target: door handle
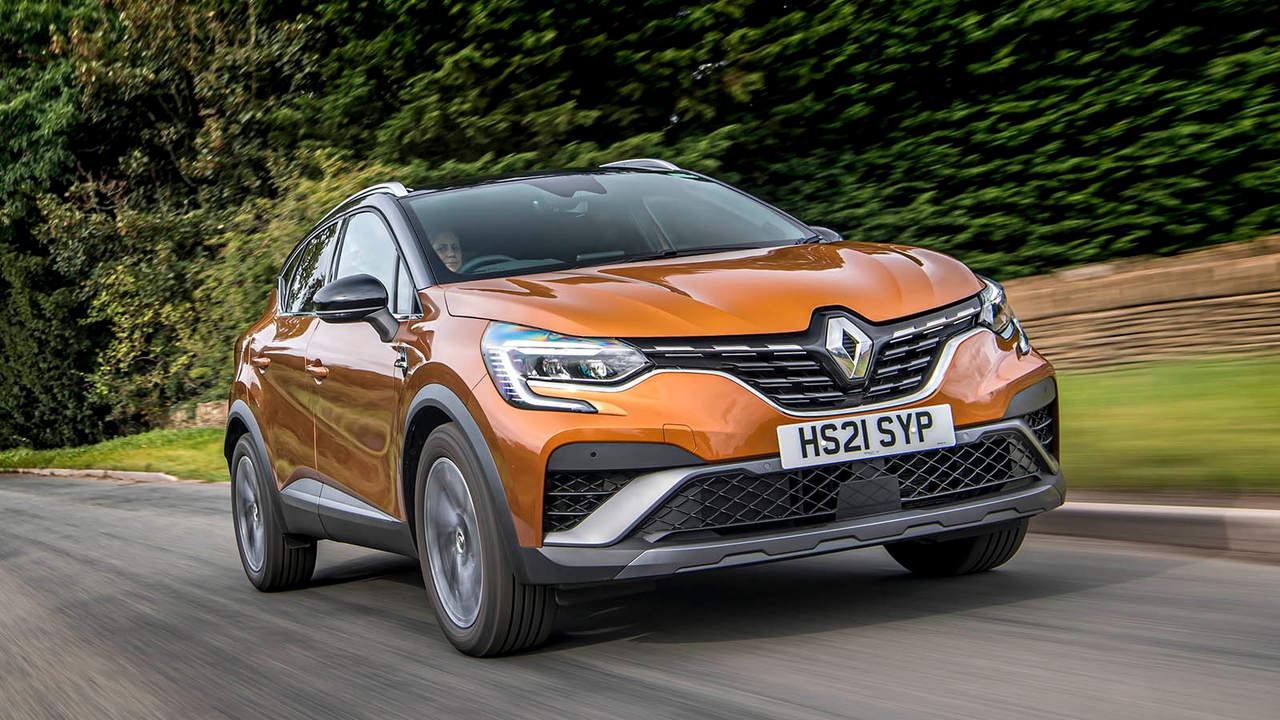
260,362
317,370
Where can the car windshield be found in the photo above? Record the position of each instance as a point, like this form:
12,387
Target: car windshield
553,222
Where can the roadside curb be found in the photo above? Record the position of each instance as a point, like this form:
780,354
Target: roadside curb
125,475
1211,528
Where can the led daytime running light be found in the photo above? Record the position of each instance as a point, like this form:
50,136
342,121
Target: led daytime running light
515,355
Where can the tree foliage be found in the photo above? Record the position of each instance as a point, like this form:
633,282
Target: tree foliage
159,159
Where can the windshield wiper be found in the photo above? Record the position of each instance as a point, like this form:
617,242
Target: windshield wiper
684,252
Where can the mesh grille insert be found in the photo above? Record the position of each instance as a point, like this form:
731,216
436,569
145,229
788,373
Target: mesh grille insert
1041,424
739,500
569,497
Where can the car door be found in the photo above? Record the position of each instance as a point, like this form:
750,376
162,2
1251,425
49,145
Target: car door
357,432
279,356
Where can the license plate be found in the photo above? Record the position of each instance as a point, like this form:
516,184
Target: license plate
859,437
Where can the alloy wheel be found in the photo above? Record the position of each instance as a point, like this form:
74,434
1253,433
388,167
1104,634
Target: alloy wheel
248,512
453,542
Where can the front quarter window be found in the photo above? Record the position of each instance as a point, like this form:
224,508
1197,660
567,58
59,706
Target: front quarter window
369,248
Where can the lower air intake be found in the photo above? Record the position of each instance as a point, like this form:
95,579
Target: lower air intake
740,501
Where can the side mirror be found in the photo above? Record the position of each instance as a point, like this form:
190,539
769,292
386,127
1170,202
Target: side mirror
827,234
357,298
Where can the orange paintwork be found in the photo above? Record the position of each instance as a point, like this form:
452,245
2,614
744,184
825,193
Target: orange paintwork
281,390
360,407
356,423
748,292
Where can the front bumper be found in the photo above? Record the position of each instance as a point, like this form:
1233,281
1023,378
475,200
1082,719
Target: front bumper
594,564
609,544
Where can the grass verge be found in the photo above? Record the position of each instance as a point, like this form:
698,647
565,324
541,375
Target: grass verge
1210,425
1184,425
194,454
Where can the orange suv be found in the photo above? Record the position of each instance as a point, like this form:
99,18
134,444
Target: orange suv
626,372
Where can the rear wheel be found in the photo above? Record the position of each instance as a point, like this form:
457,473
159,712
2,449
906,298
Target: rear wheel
272,560
481,606
962,556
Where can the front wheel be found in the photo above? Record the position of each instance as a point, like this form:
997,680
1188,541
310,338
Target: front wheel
272,560
481,606
962,556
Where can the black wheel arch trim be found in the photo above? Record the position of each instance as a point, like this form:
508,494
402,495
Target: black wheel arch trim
241,411
527,562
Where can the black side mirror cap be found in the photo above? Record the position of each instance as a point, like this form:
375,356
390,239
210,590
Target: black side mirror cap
827,234
357,298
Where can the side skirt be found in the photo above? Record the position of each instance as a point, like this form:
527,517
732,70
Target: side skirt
323,511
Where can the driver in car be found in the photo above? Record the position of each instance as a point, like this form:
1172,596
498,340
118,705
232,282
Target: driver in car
449,249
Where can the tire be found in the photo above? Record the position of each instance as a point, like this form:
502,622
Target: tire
272,560
962,556
481,607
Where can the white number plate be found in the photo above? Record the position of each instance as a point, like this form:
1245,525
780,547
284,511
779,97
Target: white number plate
858,437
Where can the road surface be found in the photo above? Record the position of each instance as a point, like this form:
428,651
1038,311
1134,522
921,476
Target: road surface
128,601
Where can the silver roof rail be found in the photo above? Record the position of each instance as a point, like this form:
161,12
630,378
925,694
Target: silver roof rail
643,164
394,188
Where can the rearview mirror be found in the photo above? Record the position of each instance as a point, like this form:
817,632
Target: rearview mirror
357,298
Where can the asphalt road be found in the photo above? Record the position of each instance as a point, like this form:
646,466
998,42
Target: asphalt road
128,601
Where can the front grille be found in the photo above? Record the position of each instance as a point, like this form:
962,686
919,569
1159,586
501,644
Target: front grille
785,373
796,372
905,362
738,501
569,497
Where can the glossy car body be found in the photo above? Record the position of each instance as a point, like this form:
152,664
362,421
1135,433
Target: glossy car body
341,414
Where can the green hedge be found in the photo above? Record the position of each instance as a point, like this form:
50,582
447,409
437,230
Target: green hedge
160,158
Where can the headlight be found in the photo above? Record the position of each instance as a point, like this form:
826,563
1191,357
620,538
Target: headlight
997,315
515,354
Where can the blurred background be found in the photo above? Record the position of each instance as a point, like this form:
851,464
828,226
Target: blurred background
159,159
1116,163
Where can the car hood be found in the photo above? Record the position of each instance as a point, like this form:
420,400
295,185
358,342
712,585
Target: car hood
745,292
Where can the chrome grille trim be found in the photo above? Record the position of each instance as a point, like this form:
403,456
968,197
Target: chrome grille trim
814,370
944,320
930,387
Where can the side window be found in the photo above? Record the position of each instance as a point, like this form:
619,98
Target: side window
308,271
368,247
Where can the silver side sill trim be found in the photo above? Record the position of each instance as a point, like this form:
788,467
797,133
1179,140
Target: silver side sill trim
335,502
929,388
617,516
326,499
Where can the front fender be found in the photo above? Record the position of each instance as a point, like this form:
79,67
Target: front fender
527,563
